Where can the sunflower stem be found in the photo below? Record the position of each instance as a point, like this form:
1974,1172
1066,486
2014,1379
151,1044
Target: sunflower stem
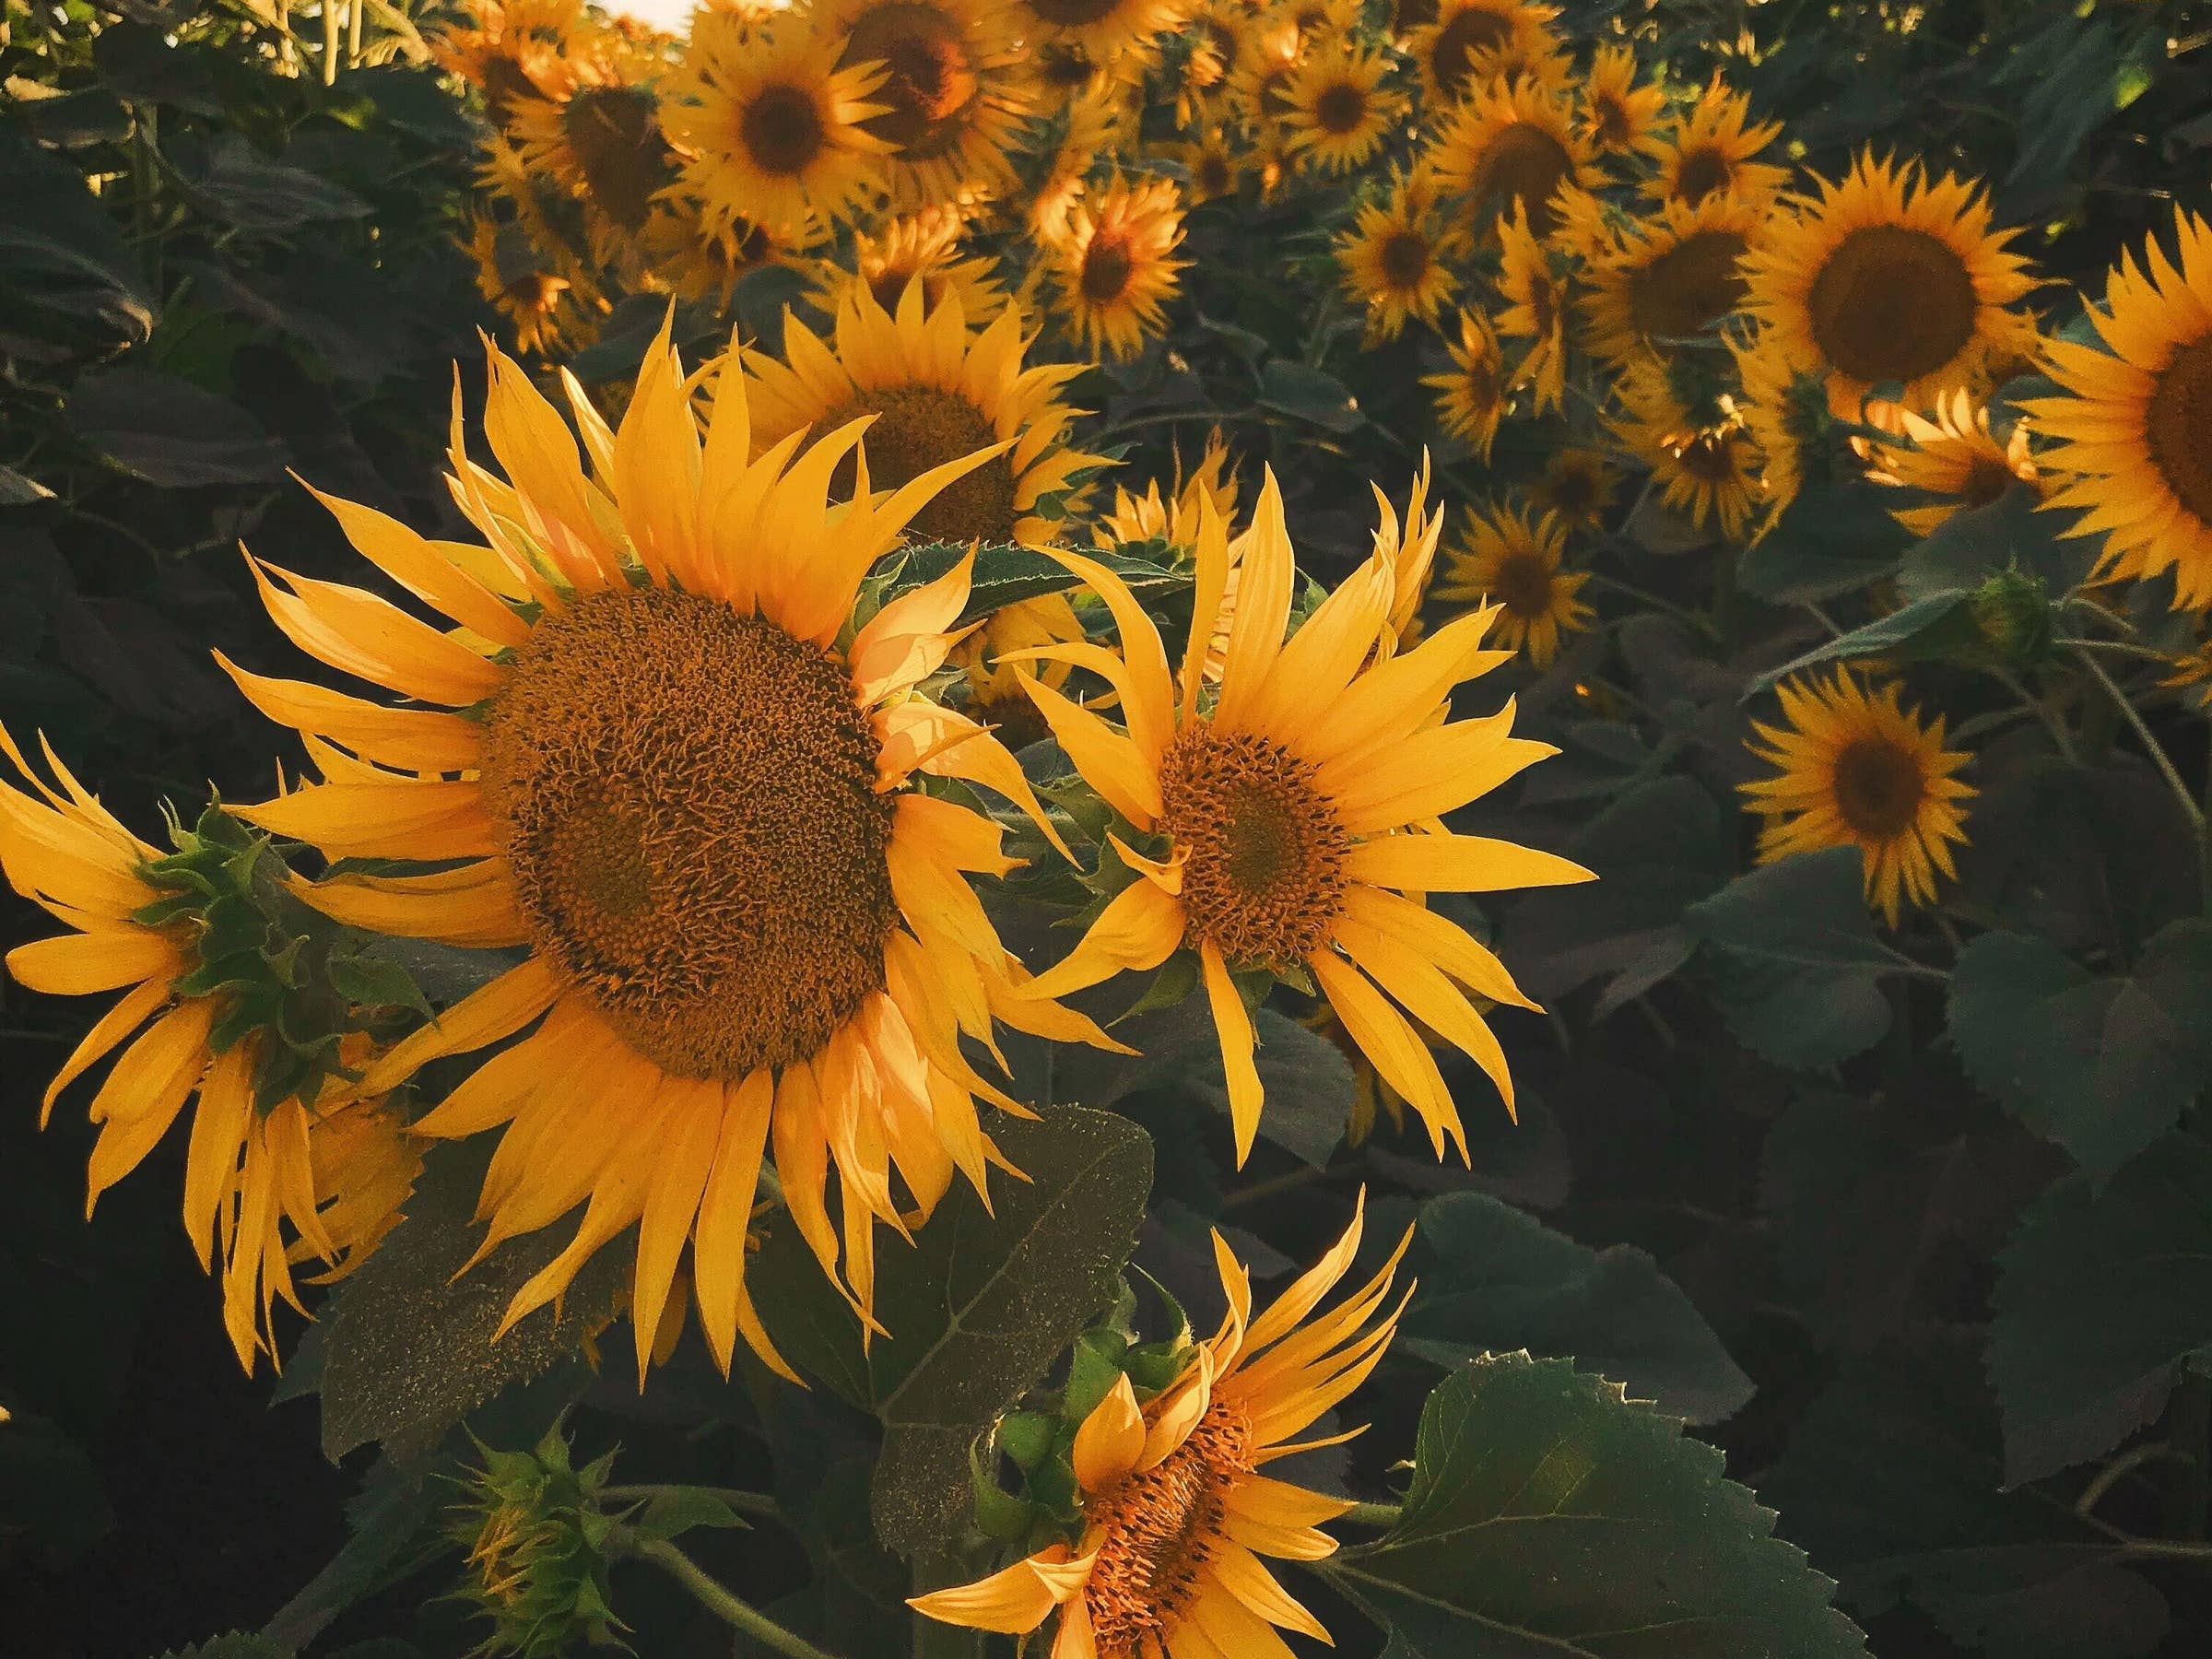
2159,758
1373,1514
709,1593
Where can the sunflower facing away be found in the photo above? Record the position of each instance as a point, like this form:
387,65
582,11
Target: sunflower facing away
1671,280
2135,432
1512,143
1890,276
1469,41
1337,112
1618,114
331,1176
1116,268
1396,259
1954,456
954,91
1535,310
924,246
1710,153
1284,824
675,773
1176,1514
937,392
1512,563
601,141
1473,395
1860,770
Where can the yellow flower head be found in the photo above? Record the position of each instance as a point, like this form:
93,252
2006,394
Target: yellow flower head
954,90
600,140
551,305
1215,165
696,257
1508,144
1175,517
1105,30
1513,563
1287,816
1176,1513
1578,484
651,671
925,245
1116,269
1670,280
1535,310
1860,769
1469,43
1618,114
1955,456
1711,151
1473,395
1337,112
1397,258
2135,428
1707,465
515,49
1223,36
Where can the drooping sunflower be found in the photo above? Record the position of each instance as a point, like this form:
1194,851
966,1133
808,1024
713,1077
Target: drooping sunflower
1512,562
1176,1514
775,132
1338,113
1618,114
1473,395
1507,143
1954,456
1710,152
266,1184
1106,30
1116,269
954,92
927,245
1671,280
1280,826
1535,310
1707,464
515,49
1890,276
937,391
1860,770
1578,484
547,307
1470,42
679,775
600,140
1397,258
2135,430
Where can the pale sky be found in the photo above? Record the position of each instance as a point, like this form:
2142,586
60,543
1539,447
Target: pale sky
674,15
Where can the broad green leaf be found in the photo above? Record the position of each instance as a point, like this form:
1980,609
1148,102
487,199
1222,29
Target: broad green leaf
237,184
59,249
675,1510
2100,1298
1494,1280
1834,538
171,432
1550,1517
19,491
975,1311
2103,1064
139,62
74,120
1940,615
1005,574
1290,388
2011,533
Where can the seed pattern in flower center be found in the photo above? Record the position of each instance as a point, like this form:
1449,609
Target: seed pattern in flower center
918,428
1523,163
1692,284
1404,258
1880,787
781,130
1156,1530
2178,425
1892,303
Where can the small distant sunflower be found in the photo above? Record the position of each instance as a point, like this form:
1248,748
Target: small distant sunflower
1578,484
1398,258
1955,456
1213,165
1469,41
1535,310
1785,410
936,392
1173,518
1511,144
1508,561
1707,467
1258,88
775,132
1090,128
1338,113
701,258
516,49
1670,280
1105,30
1892,276
1116,269
1473,395
1222,37
547,308
1860,769
1176,1514
1618,114
995,695
954,92
925,245
1711,151
2135,430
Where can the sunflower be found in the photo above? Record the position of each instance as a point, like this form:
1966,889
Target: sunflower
1954,456
1176,1514
1175,517
954,92
1512,143
1671,280
1710,152
684,783
1510,562
2134,429
1221,37
1258,86
935,392
1860,769
1214,167
1473,395
925,245
994,690
1707,466
601,143
1280,822
1124,32
547,310
1468,42
1618,114
333,1178
1892,276
699,258
775,131
1785,412
1337,113
516,49
1115,270
1578,484
1396,258
1093,127
1536,297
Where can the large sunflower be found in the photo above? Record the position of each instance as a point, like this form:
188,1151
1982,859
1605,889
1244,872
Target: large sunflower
1116,269
1468,42
1860,770
1337,112
775,131
1106,30
1513,563
1472,396
2135,430
955,90
1397,258
1283,825
1889,275
1954,457
1511,143
515,49
936,392
927,245
1176,1514
266,1185
676,772
1672,281
1711,151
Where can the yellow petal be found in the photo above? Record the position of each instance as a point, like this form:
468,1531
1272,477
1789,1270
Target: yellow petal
81,964
1111,1440
486,1014
1233,1023
1014,1601
1458,863
1139,929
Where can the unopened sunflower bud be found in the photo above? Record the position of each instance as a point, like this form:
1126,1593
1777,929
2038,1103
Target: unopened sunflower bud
538,1546
2012,617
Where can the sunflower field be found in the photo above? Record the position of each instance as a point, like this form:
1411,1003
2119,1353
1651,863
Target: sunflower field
1106,829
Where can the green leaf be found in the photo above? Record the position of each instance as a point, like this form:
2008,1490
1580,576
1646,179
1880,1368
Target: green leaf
236,1645
2011,533
2100,1297
407,1346
1007,574
2103,1064
74,120
1290,388
975,1312
1495,1280
675,1510
1834,538
237,184
168,432
1940,616
59,249
1550,1516
390,1531
19,491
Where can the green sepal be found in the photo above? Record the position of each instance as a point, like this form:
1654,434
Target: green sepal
1027,1437
1092,1371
